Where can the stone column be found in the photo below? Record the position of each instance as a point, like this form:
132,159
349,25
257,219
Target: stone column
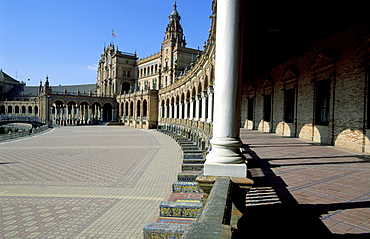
210,106
197,99
175,111
181,109
186,103
225,158
204,106
191,102
101,114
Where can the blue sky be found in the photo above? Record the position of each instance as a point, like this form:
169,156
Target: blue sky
64,38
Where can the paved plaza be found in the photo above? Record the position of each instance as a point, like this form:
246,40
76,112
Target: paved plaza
302,188
85,182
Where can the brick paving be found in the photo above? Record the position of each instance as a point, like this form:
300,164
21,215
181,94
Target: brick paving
303,188
85,182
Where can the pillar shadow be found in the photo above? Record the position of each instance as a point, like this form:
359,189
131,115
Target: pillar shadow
285,217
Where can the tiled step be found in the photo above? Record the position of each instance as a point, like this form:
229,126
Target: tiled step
180,209
186,197
192,167
193,161
164,230
187,176
185,187
175,220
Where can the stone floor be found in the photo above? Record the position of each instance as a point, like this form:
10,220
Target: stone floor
85,182
302,188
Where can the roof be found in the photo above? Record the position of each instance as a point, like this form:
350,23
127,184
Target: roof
74,88
7,78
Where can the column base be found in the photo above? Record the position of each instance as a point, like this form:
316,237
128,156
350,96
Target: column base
225,170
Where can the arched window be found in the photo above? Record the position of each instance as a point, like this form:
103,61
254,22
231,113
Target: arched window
23,110
30,109
10,109
16,109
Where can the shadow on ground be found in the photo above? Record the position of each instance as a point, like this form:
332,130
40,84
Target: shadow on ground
288,218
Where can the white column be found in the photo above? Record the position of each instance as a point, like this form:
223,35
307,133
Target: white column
181,110
171,108
210,106
191,116
175,111
101,114
197,99
113,115
186,110
204,104
89,113
225,158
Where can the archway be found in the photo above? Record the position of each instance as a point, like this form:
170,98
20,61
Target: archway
125,87
107,112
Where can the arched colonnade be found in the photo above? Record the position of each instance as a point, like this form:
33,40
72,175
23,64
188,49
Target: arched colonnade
76,113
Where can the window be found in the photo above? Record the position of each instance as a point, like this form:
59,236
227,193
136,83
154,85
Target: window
250,109
322,102
267,108
289,99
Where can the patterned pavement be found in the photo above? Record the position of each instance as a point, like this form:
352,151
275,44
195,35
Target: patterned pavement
309,184
85,182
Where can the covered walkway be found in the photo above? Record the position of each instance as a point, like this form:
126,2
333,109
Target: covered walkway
302,188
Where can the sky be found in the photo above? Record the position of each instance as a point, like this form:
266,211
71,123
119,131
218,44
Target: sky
65,38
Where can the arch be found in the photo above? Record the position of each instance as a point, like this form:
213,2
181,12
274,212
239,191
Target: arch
10,109
2,109
23,109
30,109
121,108
168,108
125,87
107,112
199,88
138,104
126,109
36,110
16,109
131,109
145,108
163,108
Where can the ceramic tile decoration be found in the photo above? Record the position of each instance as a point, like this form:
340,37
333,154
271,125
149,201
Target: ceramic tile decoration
186,187
164,230
180,209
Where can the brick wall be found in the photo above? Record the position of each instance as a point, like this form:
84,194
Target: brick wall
341,61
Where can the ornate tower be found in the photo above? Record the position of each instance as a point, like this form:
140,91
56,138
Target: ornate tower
174,40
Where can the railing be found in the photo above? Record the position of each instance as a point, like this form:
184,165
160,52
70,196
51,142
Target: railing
80,94
20,118
22,133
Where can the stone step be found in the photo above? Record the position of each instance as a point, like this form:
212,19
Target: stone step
164,230
180,209
175,220
192,167
193,155
187,176
185,187
186,197
193,161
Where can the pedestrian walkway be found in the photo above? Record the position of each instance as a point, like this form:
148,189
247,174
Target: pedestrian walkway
305,189
85,182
